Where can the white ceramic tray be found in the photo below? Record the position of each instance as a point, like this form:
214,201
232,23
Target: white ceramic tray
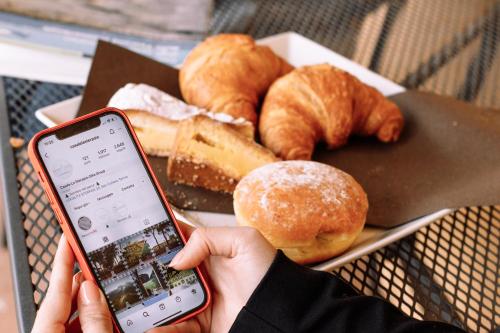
298,51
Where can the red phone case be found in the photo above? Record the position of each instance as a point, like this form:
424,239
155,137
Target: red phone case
58,209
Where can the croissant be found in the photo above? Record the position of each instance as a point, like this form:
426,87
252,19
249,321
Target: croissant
323,103
229,73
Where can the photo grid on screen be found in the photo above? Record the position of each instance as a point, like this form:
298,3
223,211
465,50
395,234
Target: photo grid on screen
134,270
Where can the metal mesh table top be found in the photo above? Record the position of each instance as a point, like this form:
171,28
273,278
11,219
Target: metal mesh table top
447,271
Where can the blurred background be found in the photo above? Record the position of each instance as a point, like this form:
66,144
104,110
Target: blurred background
447,46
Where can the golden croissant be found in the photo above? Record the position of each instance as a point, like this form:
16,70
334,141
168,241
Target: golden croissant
323,103
229,73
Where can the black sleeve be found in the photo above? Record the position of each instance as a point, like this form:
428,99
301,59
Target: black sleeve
293,298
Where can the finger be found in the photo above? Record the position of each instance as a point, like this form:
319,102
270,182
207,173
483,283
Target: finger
205,242
77,281
188,326
55,309
93,310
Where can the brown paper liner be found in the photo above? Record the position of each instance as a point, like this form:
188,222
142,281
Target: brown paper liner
447,157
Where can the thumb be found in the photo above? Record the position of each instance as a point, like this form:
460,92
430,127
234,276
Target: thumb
93,309
205,242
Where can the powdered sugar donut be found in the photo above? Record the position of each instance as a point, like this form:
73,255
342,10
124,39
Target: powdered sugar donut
310,210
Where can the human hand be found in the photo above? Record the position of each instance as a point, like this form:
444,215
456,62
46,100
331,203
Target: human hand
66,294
236,260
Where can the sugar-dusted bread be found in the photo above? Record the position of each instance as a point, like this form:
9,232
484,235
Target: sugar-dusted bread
155,116
310,210
213,155
155,133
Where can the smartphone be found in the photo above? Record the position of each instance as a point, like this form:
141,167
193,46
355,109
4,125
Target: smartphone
116,219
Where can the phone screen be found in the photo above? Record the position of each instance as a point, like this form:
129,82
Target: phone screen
121,223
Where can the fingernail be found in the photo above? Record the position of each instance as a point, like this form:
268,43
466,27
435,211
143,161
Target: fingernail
77,279
90,292
177,259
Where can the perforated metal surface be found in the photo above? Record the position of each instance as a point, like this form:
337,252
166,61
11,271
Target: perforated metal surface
449,270
41,227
